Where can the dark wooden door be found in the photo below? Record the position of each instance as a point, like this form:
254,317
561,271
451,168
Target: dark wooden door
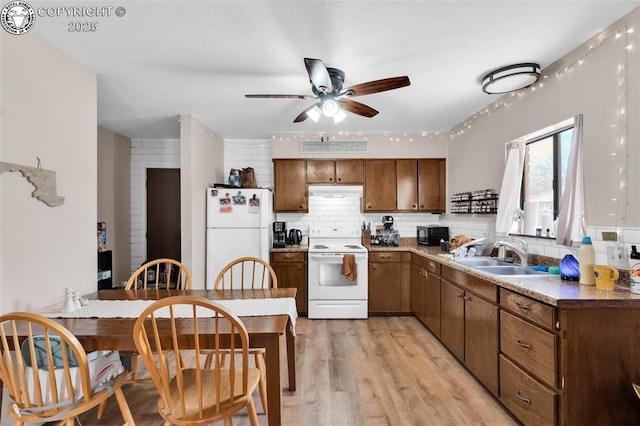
163,214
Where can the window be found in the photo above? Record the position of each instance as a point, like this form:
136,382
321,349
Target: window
544,176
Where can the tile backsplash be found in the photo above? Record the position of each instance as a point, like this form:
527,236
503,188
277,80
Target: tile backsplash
346,212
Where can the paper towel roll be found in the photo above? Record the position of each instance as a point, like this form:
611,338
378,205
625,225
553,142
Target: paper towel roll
530,217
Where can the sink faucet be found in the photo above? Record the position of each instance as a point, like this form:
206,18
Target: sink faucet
523,253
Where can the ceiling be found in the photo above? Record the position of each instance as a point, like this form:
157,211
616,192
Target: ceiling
163,59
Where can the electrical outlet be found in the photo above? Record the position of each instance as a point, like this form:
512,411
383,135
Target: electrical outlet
617,256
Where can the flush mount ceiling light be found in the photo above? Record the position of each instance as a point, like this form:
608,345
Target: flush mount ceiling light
511,78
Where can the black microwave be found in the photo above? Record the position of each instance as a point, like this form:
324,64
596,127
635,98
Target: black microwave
431,235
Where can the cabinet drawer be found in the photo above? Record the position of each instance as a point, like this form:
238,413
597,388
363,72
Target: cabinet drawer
480,287
531,402
429,265
387,256
530,346
532,310
288,257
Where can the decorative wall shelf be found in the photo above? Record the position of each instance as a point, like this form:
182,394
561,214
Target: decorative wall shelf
483,201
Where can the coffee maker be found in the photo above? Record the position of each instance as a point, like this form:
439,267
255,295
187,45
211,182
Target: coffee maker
389,236
279,235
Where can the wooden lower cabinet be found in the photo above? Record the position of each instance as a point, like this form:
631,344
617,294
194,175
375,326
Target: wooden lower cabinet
452,318
470,324
389,282
291,270
531,402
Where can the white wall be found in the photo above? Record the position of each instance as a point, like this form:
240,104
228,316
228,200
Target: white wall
49,110
255,153
114,198
589,82
201,163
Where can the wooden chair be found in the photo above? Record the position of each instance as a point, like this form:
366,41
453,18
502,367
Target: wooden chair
196,395
41,393
153,275
160,273
248,273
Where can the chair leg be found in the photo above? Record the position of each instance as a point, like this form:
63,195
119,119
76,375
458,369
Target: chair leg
70,422
228,421
101,408
124,407
134,367
253,416
207,362
260,364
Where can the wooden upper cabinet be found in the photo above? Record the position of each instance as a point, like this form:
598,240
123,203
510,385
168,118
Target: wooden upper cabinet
349,171
321,171
380,185
290,186
335,171
407,185
432,185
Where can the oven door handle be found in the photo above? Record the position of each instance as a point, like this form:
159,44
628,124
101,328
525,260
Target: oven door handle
333,256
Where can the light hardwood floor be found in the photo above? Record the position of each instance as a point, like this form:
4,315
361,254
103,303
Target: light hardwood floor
380,371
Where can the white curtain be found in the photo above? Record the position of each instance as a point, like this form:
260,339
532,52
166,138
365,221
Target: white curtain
571,215
510,189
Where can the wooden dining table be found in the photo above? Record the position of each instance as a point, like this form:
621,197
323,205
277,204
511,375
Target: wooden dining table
264,332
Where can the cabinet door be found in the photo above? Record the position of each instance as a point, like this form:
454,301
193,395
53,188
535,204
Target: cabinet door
380,185
290,183
452,318
432,302
321,171
292,274
417,291
407,185
481,340
349,171
432,185
385,287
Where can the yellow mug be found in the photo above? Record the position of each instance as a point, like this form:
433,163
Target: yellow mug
606,277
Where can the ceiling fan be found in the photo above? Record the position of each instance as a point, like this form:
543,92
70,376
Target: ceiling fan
326,85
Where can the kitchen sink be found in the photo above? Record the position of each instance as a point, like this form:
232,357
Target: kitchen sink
508,270
473,262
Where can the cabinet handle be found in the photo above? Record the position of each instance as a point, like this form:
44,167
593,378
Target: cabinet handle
523,345
373,266
522,398
459,296
415,206
339,179
422,206
523,307
330,179
467,298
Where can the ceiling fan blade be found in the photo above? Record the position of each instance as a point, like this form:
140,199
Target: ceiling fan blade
357,108
377,86
281,96
318,75
303,115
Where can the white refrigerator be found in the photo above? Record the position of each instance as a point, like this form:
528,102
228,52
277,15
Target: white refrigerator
239,224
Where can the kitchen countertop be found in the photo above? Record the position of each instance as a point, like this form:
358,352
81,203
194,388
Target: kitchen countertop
545,288
291,249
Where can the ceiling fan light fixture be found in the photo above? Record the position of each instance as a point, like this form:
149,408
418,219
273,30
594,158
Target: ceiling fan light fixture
511,78
330,108
314,113
340,115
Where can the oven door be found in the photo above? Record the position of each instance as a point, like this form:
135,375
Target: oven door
326,281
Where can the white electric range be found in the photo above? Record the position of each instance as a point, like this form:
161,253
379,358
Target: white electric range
332,294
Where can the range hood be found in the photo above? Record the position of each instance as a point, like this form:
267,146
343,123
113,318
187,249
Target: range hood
336,191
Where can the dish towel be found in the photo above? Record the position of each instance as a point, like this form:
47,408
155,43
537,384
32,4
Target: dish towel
349,267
